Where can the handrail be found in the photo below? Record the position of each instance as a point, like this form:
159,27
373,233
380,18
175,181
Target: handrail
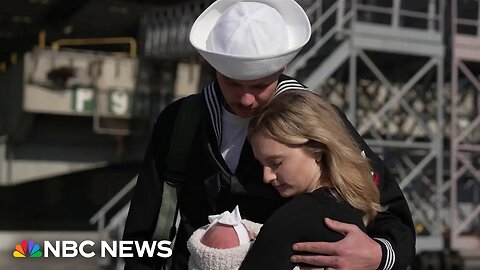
467,22
118,219
100,215
97,41
300,62
432,16
42,39
441,11
312,8
401,12
324,17
3,151
457,21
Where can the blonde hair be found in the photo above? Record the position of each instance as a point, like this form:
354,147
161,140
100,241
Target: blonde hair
300,118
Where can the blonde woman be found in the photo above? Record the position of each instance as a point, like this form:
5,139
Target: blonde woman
306,152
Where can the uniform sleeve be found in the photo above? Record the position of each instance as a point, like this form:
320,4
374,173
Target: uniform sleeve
392,229
147,198
299,220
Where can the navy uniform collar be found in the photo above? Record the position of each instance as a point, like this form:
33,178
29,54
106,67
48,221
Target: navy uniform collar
213,98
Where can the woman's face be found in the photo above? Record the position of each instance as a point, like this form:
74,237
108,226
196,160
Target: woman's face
291,170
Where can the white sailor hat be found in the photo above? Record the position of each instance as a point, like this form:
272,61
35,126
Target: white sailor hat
247,40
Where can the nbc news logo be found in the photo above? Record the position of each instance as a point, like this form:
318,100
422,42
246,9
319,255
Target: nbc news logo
27,249
71,249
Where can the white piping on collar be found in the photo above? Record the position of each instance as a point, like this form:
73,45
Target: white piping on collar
289,85
214,109
214,102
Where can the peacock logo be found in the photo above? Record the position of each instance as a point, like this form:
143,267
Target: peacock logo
27,250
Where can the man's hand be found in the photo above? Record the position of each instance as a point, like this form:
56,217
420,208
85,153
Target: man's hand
356,251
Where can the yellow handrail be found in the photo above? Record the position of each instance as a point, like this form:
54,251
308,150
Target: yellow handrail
13,58
97,41
42,37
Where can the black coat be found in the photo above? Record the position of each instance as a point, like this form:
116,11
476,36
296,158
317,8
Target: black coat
299,220
245,188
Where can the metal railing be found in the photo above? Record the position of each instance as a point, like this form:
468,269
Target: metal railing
465,144
165,31
347,13
3,160
98,41
117,222
433,15
335,9
458,21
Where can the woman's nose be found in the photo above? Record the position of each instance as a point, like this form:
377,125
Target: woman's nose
268,175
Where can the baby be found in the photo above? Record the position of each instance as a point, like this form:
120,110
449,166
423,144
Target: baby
223,243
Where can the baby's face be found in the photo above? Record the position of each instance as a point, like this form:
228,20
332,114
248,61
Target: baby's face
222,236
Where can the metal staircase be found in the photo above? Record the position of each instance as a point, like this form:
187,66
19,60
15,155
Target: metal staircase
465,121
329,65
325,33
112,228
366,35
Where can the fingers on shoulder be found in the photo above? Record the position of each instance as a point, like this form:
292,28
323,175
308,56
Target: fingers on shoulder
341,227
316,247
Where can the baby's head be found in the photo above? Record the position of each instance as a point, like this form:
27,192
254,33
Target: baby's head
223,244
221,236
226,231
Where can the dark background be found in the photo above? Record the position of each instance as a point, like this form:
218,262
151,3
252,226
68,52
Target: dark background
22,20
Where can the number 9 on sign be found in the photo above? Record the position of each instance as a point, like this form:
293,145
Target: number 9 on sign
119,102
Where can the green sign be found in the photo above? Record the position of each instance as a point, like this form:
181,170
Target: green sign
83,99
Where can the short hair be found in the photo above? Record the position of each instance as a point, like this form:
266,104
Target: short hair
300,118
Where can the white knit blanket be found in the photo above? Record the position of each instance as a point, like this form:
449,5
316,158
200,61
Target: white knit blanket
207,258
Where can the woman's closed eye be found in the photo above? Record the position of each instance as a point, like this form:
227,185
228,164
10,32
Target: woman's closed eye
274,165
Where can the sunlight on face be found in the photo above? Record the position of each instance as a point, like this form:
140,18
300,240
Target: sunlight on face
291,170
